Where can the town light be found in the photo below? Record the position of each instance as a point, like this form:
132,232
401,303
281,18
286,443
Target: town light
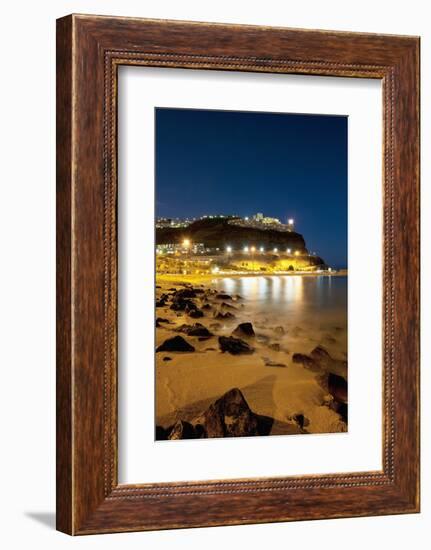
262,249
245,248
228,249
215,269
296,252
253,249
246,218
290,221
275,249
186,243
289,251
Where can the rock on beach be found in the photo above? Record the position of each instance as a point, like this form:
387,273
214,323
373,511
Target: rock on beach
177,343
235,346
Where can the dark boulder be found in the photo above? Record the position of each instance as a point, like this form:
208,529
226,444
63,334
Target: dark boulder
222,296
183,328
229,416
301,420
337,387
182,430
181,304
223,315
199,330
321,356
319,360
235,346
195,330
210,292
185,293
325,362
194,313
244,329
162,320
305,360
227,306
161,433
342,409
177,343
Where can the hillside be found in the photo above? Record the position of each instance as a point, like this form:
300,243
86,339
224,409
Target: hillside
219,233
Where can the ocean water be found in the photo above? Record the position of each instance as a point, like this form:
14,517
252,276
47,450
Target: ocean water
310,302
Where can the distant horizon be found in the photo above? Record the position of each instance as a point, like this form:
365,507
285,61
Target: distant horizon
236,163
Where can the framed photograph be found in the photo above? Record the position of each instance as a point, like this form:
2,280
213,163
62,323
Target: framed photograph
237,274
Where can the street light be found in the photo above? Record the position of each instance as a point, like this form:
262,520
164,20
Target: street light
186,243
228,249
275,249
290,221
261,249
296,252
245,248
289,251
253,249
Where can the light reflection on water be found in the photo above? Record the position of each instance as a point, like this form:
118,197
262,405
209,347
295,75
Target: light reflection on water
297,296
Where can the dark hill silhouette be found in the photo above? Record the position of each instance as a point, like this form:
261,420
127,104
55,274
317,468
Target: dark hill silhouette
219,233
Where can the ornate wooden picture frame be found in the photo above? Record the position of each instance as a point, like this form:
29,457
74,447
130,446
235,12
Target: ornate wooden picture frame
89,51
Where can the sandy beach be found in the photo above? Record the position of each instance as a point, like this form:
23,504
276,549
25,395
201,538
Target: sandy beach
281,371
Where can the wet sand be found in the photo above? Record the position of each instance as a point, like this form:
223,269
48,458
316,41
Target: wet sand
272,380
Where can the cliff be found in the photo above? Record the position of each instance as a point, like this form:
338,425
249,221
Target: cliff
219,233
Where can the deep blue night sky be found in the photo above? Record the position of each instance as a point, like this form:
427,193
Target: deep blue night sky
232,162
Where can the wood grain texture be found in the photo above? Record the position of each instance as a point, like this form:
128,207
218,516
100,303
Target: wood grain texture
90,49
64,497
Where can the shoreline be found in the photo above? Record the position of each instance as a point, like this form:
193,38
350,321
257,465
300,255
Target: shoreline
279,377
179,277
